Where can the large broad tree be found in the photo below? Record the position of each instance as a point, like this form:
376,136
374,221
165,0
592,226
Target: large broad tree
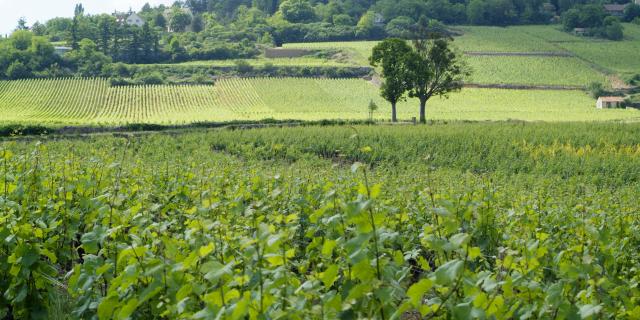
433,68
391,55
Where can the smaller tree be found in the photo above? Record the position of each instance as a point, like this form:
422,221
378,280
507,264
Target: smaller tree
180,20
160,21
391,55
297,11
631,12
372,108
17,70
596,90
22,24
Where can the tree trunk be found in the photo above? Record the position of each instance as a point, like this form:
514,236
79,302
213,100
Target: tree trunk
394,118
423,107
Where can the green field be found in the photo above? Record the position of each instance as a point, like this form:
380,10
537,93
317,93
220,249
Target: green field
489,221
93,101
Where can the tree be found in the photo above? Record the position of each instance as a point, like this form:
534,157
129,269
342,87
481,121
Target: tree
297,11
367,27
180,20
400,27
78,12
105,25
342,20
88,60
631,12
21,39
392,55
197,24
612,29
433,68
39,29
17,70
22,24
372,108
160,21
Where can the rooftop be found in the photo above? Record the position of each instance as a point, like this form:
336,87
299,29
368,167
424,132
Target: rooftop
611,99
615,7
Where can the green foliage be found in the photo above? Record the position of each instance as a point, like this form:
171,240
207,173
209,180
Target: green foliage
179,20
88,60
508,221
297,11
17,70
24,55
596,90
367,26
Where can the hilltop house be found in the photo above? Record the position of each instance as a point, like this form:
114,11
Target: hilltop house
609,102
61,50
130,19
378,19
579,31
616,10
135,20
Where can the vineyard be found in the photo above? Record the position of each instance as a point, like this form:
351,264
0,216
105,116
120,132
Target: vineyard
561,71
94,102
486,221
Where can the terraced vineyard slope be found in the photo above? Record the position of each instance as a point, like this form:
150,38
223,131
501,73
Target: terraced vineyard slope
584,60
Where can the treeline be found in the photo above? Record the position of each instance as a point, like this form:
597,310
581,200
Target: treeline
224,29
596,22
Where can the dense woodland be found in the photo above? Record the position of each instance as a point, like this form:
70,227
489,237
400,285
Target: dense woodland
236,29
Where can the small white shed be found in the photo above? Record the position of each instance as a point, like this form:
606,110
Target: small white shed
609,102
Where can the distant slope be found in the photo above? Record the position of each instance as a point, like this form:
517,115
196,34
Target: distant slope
587,60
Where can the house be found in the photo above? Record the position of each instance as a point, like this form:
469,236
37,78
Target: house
579,31
61,50
378,19
609,102
616,10
135,20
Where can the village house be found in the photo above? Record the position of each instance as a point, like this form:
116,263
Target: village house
61,50
135,20
579,31
609,102
378,19
616,10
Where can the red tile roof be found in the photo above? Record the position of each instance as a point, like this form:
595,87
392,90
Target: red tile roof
615,7
611,99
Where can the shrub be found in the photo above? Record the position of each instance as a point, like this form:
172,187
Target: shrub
343,20
243,67
150,78
596,89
